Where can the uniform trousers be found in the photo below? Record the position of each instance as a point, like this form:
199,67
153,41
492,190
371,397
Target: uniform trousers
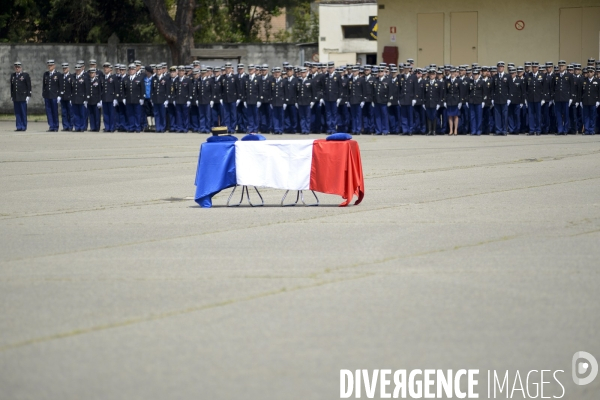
160,117
331,115
205,114
67,114
407,118
561,108
109,116
133,116
194,118
79,120
342,118
535,117
252,118
290,118
315,118
229,116
242,118
277,113
418,119
381,119
589,119
51,106
21,114
305,120
476,115
183,118
266,120
368,114
394,118
514,118
94,117
356,118
501,118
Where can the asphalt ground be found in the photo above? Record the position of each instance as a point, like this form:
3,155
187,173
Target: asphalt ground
467,252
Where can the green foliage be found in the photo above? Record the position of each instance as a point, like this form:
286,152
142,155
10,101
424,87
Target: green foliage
305,28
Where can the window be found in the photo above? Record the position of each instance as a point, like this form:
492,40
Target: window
356,31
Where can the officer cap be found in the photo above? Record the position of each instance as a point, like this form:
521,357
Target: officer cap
432,70
528,63
80,62
577,66
453,69
469,69
250,66
306,63
485,68
285,63
209,68
93,62
549,64
492,68
181,68
65,65
440,70
17,63
348,66
562,62
520,69
355,68
152,66
410,61
223,68
476,71
597,62
78,66
265,65
92,70
447,67
375,69
228,65
240,66
196,62
512,71
196,71
474,65
107,65
419,71
367,67
461,68
303,69
276,69
188,67
535,64
510,64
361,69
591,61
382,65
137,62
203,69
570,67
394,69
131,66
330,64
50,62
296,69
500,64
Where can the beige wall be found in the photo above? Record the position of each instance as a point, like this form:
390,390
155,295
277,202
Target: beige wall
497,37
331,19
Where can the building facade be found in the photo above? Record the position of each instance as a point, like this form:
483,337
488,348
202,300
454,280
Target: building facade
345,31
484,31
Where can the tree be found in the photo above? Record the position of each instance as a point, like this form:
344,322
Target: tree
177,32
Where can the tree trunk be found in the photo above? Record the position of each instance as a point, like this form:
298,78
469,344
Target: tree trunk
178,33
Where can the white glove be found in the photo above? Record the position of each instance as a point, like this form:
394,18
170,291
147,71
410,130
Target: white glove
424,107
570,102
525,102
445,105
221,101
322,102
197,103
188,103
520,105
271,106
151,103
297,106
99,105
543,102
459,106
337,102
507,103
362,104
284,107
166,103
373,104
212,103
597,104
85,103
414,102
237,102
311,104
492,103
174,103
58,99
258,104
389,104
70,102
141,102
551,102
576,105
27,99
467,105
437,107
245,105
348,104
115,103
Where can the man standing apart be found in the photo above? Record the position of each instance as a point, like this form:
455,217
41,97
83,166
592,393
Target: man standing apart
51,95
20,92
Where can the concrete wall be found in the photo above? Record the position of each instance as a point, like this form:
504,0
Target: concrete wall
34,56
331,19
497,37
